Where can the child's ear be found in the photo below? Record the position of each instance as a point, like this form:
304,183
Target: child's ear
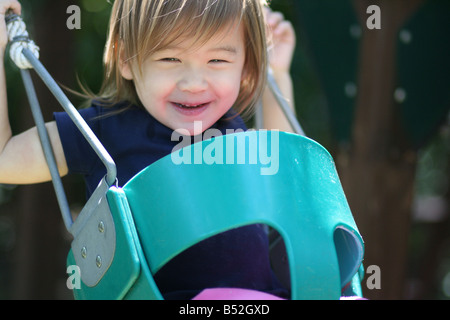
125,66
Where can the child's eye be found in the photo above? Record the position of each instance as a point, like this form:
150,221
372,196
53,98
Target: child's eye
170,60
218,61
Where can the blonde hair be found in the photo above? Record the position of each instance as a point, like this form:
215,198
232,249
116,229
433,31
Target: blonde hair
140,27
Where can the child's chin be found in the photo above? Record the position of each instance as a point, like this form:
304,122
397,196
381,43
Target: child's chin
193,129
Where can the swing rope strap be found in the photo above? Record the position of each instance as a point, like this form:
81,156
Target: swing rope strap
288,112
19,39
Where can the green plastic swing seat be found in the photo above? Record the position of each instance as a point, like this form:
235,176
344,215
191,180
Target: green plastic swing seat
291,185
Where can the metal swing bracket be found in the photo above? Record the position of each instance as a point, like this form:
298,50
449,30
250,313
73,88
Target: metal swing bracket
94,234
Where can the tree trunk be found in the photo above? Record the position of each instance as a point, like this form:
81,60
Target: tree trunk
378,175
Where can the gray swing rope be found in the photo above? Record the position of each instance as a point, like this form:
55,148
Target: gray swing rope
47,148
289,114
25,55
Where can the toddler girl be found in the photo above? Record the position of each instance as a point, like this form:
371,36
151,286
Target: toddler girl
168,64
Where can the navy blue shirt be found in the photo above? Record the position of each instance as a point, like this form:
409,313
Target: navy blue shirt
134,139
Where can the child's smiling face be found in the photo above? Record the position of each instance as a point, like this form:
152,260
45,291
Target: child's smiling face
186,82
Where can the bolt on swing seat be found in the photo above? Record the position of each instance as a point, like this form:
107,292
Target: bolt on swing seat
123,236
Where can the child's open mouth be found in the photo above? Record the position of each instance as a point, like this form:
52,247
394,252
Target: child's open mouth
189,106
190,109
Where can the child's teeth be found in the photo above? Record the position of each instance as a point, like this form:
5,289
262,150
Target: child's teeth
186,106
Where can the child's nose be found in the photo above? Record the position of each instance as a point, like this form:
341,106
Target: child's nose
193,81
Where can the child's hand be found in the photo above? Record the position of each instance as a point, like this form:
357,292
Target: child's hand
5,5
281,36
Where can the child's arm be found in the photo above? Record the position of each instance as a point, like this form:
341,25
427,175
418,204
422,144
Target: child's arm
22,160
281,50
